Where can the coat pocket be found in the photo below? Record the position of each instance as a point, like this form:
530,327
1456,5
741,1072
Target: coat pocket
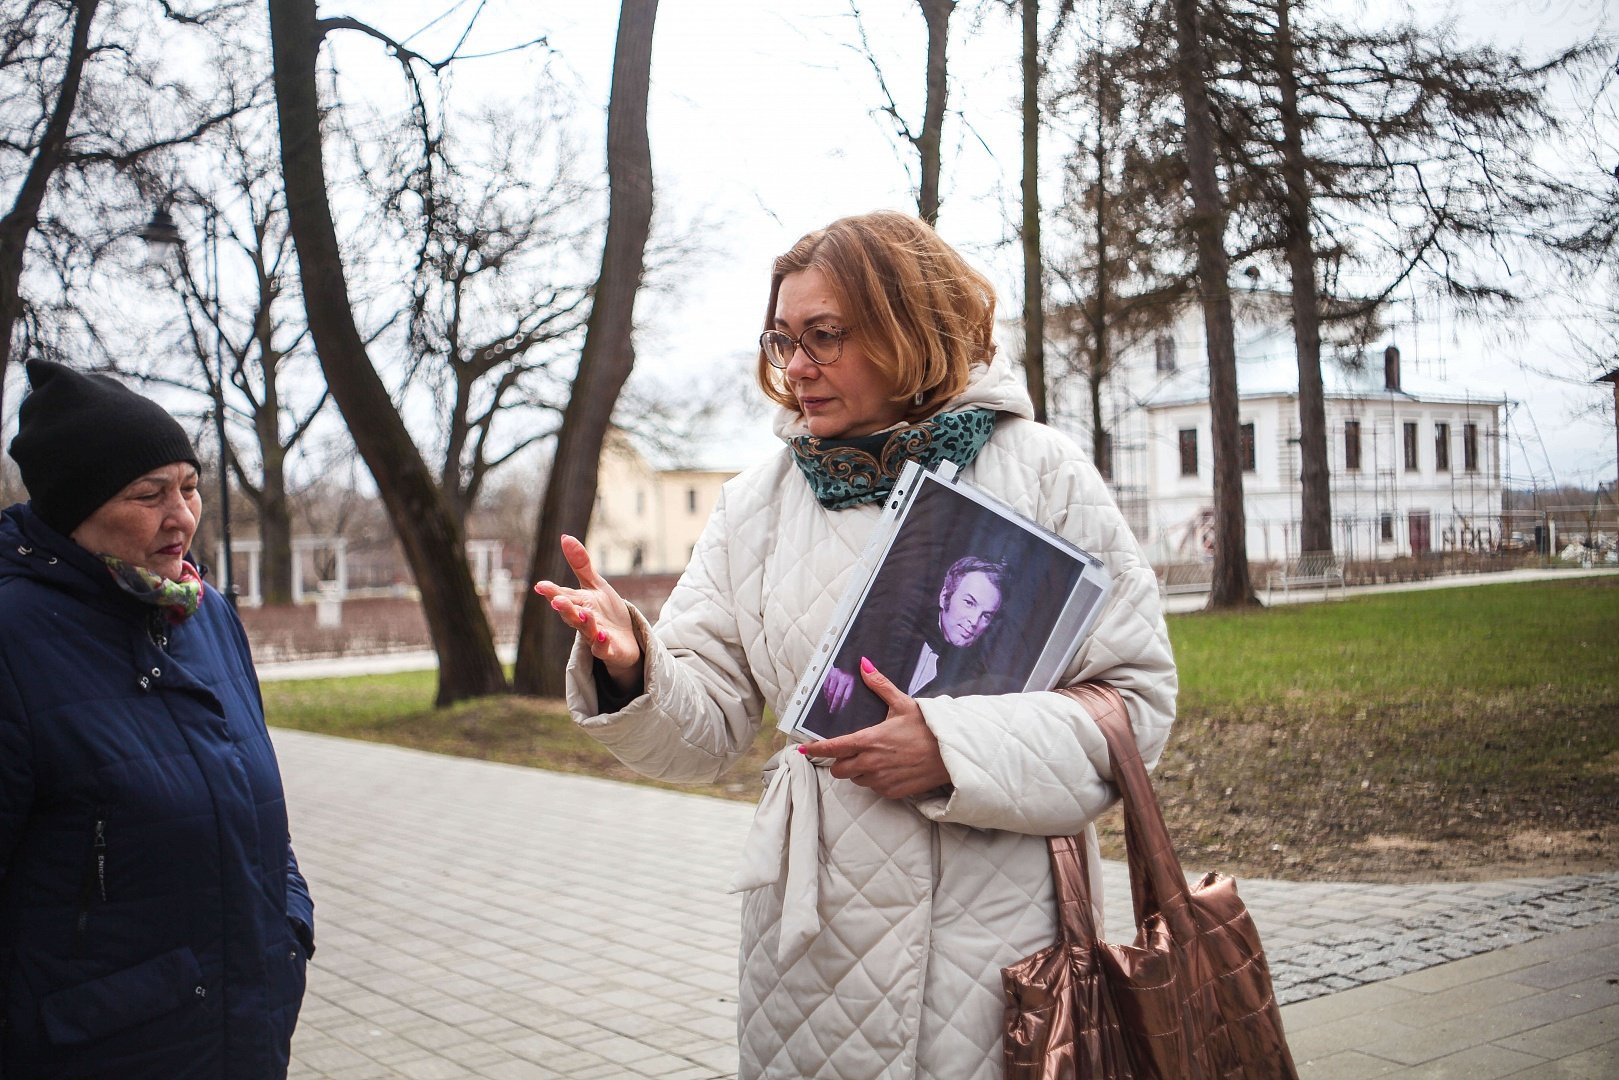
112,1003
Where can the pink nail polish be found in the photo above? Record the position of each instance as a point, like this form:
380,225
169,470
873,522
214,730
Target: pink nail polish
801,749
867,666
601,637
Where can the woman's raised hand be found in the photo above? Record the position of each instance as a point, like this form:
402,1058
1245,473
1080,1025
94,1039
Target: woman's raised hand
599,614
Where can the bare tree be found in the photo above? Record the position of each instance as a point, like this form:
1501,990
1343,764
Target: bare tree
1231,585
428,530
248,336
927,140
48,148
1034,309
1119,259
1349,156
1315,530
609,350
497,300
86,99
1353,131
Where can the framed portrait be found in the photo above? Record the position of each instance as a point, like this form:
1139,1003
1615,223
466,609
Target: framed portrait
958,595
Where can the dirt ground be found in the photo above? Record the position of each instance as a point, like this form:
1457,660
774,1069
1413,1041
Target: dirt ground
1299,799
1419,853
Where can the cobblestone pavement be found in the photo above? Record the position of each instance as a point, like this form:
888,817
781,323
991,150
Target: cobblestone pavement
1467,926
482,920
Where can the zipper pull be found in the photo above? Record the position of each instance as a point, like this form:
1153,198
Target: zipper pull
101,857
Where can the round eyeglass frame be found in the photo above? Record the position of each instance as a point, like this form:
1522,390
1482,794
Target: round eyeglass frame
773,340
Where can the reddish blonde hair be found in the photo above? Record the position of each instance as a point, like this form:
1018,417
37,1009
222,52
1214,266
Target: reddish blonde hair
922,315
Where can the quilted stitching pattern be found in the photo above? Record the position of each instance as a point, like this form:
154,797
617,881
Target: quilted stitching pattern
921,903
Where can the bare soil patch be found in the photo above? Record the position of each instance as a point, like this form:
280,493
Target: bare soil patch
1377,798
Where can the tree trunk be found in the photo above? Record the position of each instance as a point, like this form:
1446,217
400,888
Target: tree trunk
275,516
20,221
270,494
544,642
1101,361
1034,306
1101,452
1231,586
433,544
275,558
928,143
1316,495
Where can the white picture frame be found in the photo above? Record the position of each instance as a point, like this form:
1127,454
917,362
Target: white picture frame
957,594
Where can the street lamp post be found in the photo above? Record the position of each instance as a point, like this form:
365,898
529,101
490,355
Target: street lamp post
164,236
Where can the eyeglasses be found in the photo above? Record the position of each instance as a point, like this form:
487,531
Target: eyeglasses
822,344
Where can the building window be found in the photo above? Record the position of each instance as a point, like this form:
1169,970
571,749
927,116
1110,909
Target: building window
691,500
1188,451
1247,448
1410,447
1164,355
1470,447
1352,446
1104,455
1385,528
1441,447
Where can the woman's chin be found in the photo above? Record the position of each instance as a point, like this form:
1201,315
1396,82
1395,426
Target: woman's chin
821,427
167,568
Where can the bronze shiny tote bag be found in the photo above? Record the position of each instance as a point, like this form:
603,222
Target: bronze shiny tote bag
1189,999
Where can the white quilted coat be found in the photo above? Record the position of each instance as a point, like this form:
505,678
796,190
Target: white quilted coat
874,930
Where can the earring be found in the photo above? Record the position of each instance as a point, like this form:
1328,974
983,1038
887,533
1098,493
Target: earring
918,398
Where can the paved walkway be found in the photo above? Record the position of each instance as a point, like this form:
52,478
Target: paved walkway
484,920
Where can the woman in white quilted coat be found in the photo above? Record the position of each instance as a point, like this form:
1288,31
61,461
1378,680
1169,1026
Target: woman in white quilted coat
884,892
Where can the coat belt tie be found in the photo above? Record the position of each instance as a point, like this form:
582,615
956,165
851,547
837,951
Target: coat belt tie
786,833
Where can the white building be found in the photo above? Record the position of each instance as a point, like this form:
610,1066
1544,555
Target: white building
1414,462
647,519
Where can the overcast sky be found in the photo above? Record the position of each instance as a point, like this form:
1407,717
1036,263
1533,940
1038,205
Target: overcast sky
764,126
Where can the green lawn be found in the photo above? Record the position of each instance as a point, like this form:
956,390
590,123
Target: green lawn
1415,646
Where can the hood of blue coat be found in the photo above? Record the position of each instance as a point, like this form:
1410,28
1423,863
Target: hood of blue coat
33,551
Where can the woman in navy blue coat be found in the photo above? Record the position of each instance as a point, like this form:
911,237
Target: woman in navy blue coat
153,922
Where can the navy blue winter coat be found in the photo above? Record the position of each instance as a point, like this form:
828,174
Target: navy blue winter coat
153,923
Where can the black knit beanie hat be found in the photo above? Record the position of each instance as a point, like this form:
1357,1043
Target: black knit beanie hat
82,438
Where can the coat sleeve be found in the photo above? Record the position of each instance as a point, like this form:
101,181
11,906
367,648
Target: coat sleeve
300,905
701,707
1035,762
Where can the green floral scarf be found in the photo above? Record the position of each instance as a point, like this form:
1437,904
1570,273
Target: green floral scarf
851,472
178,600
